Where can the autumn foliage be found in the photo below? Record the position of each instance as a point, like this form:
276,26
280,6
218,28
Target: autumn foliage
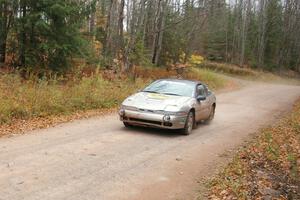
268,168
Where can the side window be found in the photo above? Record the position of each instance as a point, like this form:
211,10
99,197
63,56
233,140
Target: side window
201,90
208,92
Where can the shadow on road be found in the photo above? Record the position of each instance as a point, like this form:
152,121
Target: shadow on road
168,133
137,130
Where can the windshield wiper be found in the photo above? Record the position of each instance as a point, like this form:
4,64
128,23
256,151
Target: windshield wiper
149,91
172,94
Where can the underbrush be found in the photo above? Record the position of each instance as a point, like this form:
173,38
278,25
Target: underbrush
43,97
286,77
25,99
212,79
268,168
228,69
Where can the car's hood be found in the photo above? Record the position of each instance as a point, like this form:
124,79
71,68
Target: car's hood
152,101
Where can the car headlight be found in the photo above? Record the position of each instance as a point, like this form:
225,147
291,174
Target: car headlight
129,108
122,112
180,113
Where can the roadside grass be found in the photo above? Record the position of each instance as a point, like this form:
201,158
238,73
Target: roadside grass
26,99
212,79
41,98
267,168
249,74
228,69
209,77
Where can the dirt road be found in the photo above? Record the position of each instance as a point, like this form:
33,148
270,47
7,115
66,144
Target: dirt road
100,159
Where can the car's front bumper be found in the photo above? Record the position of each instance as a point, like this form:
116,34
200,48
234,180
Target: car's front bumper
152,119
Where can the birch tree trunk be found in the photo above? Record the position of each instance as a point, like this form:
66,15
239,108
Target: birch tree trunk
160,25
110,50
262,32
246,8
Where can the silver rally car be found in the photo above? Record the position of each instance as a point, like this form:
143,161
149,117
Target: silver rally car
169,104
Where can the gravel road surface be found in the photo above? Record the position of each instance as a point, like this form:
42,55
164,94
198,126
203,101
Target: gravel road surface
98,158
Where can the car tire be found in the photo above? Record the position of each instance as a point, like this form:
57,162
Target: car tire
127,125
189,124
211,114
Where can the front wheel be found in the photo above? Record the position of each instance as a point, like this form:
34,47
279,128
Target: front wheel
189,124
127,125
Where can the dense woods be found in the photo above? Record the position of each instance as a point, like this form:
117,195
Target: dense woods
52,34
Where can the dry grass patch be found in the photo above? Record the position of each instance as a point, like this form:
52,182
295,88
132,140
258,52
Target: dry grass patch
212,79
268,168
26,99
250,74
228,69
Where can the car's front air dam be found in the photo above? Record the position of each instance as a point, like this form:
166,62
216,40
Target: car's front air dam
153,119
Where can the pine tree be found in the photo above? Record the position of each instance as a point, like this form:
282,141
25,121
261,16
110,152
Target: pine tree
48,32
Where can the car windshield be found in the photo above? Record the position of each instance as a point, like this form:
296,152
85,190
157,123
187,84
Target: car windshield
171,88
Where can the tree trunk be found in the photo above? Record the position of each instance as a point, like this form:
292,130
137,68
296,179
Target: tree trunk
136,28
246,14
160,25
235,37
23,35
262,33
92,23
2,52
120,24
122,51
156,30
3,31
108,48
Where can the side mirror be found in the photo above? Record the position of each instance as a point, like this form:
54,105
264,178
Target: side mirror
201,98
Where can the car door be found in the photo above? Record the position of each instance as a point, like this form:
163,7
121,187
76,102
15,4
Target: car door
209,100
202,107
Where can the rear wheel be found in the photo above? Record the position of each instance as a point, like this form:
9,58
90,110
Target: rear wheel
189,124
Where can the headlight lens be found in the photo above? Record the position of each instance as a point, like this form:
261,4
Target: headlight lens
122,112
129,108
180,113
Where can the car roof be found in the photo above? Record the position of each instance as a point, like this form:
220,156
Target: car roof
182,81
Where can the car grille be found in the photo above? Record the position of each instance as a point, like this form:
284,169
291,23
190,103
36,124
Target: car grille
151,111
145,121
